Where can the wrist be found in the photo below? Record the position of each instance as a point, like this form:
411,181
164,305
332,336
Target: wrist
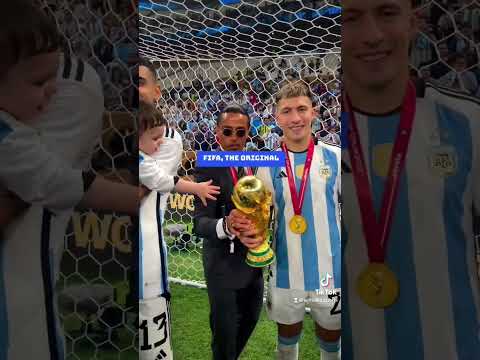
225,226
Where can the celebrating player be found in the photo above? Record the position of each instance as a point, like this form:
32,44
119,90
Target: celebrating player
307,229
411,164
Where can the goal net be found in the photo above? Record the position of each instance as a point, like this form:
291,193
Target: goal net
445,52
211,53
95,303
208,53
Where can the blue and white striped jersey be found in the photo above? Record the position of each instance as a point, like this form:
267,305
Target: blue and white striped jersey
431,245
302,261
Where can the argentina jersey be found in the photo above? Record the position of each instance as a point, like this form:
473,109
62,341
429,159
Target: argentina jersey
153,274
32,246
169,157
303,262
431,246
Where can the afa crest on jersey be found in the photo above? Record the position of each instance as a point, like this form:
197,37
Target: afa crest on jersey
442,160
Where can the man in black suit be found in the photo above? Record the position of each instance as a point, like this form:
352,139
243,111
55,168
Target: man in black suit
235,290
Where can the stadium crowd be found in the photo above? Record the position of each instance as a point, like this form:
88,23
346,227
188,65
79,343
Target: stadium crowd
446,51
193,107
112,25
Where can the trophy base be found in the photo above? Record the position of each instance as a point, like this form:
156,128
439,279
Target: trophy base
260,257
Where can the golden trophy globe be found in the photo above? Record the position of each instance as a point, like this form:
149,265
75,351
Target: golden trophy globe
253,200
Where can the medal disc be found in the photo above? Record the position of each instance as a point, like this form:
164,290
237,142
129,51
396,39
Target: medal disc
377,286
298,224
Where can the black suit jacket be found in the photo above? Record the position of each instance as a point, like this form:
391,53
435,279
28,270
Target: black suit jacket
222,269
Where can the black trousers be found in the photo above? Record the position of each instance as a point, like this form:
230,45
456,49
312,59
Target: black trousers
233,316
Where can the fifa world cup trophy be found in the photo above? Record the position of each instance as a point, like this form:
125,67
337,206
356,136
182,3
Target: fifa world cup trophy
252,199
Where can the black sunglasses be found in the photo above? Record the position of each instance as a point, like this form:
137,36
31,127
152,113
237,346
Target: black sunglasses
238,133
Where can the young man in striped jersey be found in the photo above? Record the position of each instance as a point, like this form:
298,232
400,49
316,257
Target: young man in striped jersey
307,229
411,175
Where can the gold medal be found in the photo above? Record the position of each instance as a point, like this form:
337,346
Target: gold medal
378,286
298,224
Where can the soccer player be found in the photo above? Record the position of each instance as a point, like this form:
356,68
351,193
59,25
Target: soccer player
153,176
307,229
154,292
170,152
411,175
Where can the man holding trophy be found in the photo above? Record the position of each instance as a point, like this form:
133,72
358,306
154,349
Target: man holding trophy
307,229
235,289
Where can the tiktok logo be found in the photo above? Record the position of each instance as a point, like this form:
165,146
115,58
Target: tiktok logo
325,281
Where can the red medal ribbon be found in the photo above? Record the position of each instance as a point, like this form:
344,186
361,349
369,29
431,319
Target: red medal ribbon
297,200
376,233
234,174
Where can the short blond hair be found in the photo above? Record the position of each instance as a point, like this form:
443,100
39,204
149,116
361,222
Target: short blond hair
294,89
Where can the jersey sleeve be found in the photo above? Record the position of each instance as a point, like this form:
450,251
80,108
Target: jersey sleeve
470,107
153,176
169,154
32,172
476,162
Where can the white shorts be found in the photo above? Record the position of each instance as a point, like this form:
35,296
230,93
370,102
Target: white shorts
154,329
287,306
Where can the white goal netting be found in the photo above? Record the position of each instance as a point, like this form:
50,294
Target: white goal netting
96,304
446,50
210,53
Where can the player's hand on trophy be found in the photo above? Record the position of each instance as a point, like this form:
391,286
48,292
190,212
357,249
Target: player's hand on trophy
252,238
238,222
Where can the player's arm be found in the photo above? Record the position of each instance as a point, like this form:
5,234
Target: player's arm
33,173
155,178
38,176
108,195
